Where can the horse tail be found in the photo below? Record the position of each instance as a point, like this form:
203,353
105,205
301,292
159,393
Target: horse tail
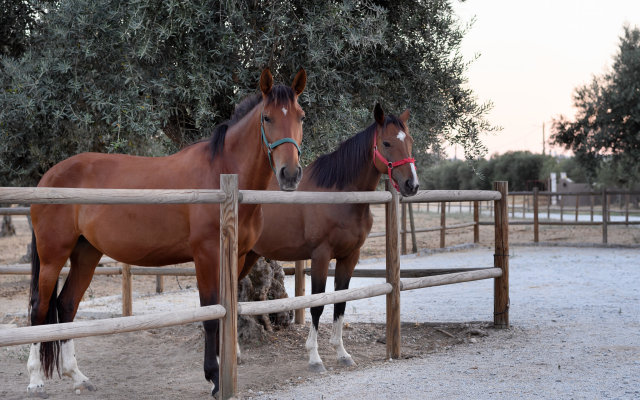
49,351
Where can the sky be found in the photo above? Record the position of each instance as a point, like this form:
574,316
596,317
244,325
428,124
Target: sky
532,55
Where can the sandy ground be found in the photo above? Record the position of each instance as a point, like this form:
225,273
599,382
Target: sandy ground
574,313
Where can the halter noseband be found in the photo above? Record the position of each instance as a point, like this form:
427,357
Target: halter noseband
271,146
390,165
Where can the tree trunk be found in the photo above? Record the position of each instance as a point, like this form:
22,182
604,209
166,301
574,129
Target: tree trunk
264,282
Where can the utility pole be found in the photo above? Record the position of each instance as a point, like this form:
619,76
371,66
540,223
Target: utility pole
543,140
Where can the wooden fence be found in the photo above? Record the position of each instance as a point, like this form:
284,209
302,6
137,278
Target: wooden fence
229,197
529,211
604,208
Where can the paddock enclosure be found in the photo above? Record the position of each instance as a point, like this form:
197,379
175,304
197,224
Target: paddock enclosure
229,197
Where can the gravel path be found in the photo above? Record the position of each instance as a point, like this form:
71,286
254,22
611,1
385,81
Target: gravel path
575,316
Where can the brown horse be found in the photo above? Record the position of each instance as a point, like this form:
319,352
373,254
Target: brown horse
326,231
158,234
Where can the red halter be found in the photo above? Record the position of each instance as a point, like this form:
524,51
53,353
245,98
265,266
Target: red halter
390,165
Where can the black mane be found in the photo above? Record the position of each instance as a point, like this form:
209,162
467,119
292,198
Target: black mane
280,94
341,167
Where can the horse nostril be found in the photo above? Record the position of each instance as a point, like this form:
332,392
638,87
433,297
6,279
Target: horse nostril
299,173
282,175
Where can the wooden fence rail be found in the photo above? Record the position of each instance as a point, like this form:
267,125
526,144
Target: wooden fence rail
229,308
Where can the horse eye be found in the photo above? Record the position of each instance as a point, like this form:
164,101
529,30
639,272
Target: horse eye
386,144
266,119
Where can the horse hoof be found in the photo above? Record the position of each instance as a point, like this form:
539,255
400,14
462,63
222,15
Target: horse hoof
346,362
85,386
37,392
317,368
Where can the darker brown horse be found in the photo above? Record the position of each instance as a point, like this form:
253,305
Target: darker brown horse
326,231
159,234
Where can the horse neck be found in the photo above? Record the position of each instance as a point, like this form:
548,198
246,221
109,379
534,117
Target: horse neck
368,178
244,145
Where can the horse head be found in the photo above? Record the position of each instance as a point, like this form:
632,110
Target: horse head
281,123
392,151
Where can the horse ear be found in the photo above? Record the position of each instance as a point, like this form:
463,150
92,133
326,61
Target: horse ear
300,81
404,117
378,114
266,81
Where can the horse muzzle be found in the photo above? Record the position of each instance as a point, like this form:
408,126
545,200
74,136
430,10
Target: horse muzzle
289,178
409,187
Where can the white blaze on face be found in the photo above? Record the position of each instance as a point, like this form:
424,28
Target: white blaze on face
414,173
401,136
284,111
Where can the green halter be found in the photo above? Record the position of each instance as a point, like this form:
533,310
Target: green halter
272,146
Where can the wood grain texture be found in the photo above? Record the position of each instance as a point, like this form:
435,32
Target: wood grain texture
394,339
127,291
448,279
72,330
229,286
297,197
501,258
433,196
46,195
299,289
313,300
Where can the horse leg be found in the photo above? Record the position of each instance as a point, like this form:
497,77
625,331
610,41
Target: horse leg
206,258
319,268
46,264
84,260
344,271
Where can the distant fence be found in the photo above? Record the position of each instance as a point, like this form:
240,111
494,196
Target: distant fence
530,210
229,197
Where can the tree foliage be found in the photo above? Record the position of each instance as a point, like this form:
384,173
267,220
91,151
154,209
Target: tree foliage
148,76
519,168
606,131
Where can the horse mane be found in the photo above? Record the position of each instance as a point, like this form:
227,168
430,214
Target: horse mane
343,166
279,94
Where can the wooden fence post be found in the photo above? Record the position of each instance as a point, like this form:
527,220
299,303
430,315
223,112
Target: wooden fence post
393,273
159,284
443,221
229,286
627,197
513,206
300,289
412,224
604,215
404,228
591,201
535,215
501,257
476,221
127,306
577,206
524,206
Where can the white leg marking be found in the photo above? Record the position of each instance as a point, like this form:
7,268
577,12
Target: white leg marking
415,174
36,374
312,347
336,342
70,366
284,111
401,136
238,353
